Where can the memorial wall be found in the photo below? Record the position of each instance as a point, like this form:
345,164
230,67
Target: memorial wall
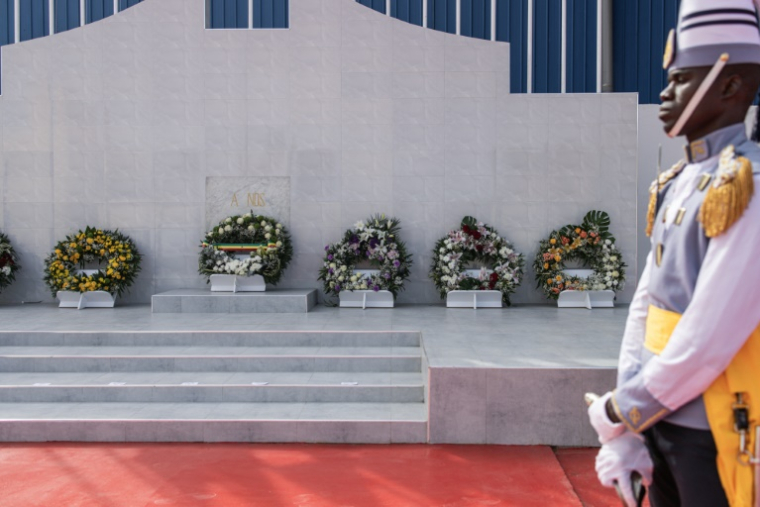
149,123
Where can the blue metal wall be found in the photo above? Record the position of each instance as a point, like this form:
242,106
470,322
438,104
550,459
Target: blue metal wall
378,5
407,10
512,27
476,19
442,15
34,17
95,10
270,14
581,46
66,15
6,22
228,14
547,46
125,4
639,33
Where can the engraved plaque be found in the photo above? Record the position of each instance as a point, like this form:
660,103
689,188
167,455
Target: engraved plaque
227,196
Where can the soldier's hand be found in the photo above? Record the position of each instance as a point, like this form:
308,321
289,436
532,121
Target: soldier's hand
618,459
605,428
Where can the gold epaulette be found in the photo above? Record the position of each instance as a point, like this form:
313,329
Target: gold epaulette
656,187
729,195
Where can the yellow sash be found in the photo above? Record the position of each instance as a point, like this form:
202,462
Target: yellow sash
741,376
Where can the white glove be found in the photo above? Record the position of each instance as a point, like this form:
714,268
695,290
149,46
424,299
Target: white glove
597,414
620,457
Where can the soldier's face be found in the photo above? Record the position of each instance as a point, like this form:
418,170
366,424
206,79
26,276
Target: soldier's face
682,84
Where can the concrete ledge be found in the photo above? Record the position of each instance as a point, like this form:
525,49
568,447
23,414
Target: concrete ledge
514,406
205,301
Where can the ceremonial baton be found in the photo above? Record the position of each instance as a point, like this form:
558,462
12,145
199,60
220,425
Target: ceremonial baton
639,490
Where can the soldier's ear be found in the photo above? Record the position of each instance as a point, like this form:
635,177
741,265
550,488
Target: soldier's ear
731,85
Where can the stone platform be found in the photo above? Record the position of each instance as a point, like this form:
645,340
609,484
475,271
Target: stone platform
410,374
205,301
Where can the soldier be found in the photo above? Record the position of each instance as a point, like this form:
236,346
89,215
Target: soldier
687,400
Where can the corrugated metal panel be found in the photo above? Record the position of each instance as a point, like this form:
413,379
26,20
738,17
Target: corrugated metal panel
407,10
66,15
125,4
639,33
547,46
228,14
581,46
512,27
442,15
476,19
34,19
6,22
95,10
378,5
270,14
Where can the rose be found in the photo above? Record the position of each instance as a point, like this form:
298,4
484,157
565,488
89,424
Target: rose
240,221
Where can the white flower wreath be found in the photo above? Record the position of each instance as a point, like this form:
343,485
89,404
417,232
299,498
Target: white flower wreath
374,240
475,242
266,242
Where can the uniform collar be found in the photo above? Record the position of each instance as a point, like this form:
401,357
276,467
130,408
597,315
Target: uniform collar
714,142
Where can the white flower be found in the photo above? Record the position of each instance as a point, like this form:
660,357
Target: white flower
332,265
263,223
228,220
240,221
248,215
353,278
250,227
364,286
615,274
442,250
607,242
613,258
359,226
268,228
446,258
279,226
227,228
279,244
343,268
341,278
221,230
267,235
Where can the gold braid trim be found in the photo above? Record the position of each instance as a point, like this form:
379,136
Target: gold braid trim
654,191
729,196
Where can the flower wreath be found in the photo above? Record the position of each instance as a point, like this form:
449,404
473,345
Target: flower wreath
475,242
374,240
266,241
591,243
8,262
93,246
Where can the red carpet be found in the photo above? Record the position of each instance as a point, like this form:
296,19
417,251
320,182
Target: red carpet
119,475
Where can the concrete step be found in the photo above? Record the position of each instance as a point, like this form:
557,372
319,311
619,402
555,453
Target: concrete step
203,351
134,387
215,363
207,378
213,339
379,423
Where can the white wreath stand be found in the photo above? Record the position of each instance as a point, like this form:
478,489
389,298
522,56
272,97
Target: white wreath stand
585,298
82,300
234,283
473,298
366,298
